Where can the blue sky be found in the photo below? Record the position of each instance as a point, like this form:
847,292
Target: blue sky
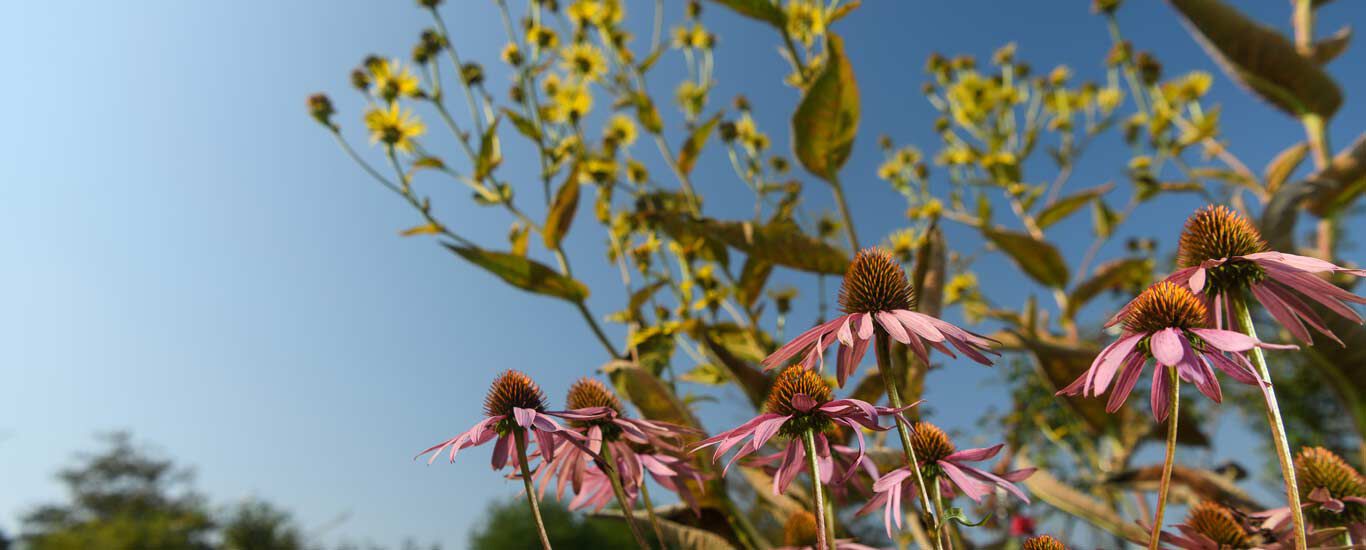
189,257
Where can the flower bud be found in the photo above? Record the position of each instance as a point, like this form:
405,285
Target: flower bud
321,108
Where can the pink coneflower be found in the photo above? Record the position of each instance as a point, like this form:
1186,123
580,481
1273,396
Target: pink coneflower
876,293
1221,253
1335,492
1043,542
799,401
1212,526
1167,323
938,455
842,458
800,533
514,403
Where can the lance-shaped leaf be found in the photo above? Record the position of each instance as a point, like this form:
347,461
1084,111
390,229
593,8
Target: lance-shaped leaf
753,276
1280,168
562,210
1118,274
763,10
781,243
826,120
648,114
522,124
490,152
687,156
429,228
737,351
1038,259
647,393
1330,48
528,275
1261,59
1066,206
1342,181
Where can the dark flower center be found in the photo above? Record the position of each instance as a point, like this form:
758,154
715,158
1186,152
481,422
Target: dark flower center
1165,305
930,443
800,530
794,380
875,282
1219,524
1216,232
1043,542
1317,467
588,393
513,389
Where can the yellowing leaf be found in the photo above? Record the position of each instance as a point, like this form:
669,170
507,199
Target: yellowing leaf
1038,259
1113,275
562,210
753,276
648,115
1342,181
428,162
424,229
1280,168
523,273
490,152
1066,206
1261,59
763,10
522,124
781,243
647,393
687,156
826,120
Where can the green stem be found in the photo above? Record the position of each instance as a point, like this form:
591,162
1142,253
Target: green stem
520,436
1243,319
883,351
844,213
627,511
817,491
1154,539
650,512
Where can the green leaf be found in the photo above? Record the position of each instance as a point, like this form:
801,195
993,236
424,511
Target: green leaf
424,229
842,11
1103,218
648,115
753,277
780,242
826,120
522,124
639,297
956,514
1341,182
687,156
1261,59
1118,274
1068,205
763,10
562,210
490,152
428,162
737,351
706,373
1330,48
1280,168
523,273
1038,259
647,393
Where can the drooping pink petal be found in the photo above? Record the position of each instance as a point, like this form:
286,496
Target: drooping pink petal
1166,347
846,335
1197,280
1233,369
766,430
1103,369
1133,367
855,357
973,488
1160,400
791,349
893,327
501,451
1282,313
975,455
1302,263
998,480
1225,340
791,465
865,325
1198,372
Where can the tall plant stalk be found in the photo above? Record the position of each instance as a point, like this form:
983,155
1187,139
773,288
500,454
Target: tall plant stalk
823,538
627,511
519,436
1242,317
883,351
1154,538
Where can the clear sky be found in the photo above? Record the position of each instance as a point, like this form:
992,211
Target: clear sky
188,256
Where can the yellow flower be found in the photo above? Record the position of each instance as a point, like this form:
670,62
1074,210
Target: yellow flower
393,80
691,97
393,126
1108,99
620,129
602,170
542,37
602,13
512,55
584,60
749,134
805,20
570,101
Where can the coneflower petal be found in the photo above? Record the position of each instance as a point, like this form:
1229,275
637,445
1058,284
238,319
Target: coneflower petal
893,327
974,489
1133,366
865,325
997,481
976,455
791,349
1233,369
500,451
1283,313
920,324
787,471
1159,400
1225,340
1166,347
1103,369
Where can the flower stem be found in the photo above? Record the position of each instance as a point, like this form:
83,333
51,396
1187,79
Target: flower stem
520,437
1243,317
1154,539
817,492
883,351
844,212
650,511
610,469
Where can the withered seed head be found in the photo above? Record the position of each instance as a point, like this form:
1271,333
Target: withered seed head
800,530
792,381
1043,542
1216,232
1317,467
875,282
1219,524
513,389
587,392
930,443
1165,305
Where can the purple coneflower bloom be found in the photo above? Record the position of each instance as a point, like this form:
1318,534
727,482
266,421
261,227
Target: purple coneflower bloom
799,401
875,293
514,402
1220,252
1335,493
938,455
799,533
842,458
1167,323
636,447
1042,542
1211,526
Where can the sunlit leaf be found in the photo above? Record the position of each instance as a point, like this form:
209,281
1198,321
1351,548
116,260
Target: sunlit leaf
424,229
826,120
781,243
490,152
763,10
1103,218
842,11
1117,274
1261,59
650,395
1069,204
687,156
737,350
523,273
1280,168
428,162
522,124
562,210
1342,182
648,114
753,277
1038,259
706,373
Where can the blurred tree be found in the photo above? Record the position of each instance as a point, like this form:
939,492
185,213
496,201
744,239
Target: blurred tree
121,498
259,525
507,526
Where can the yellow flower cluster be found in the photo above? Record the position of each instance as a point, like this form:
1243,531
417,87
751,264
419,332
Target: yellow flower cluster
393,126
806,20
